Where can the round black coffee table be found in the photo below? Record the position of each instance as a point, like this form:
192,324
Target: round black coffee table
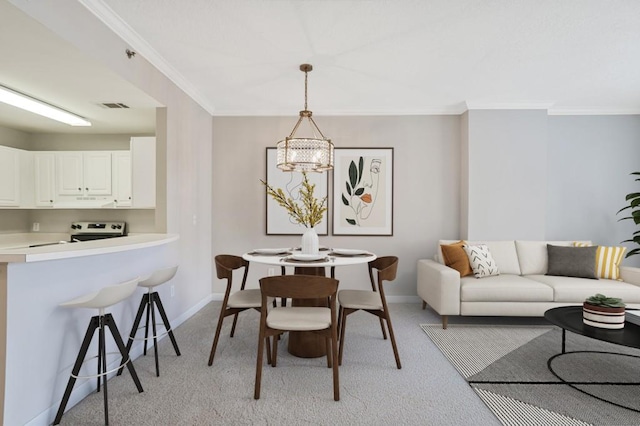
570,318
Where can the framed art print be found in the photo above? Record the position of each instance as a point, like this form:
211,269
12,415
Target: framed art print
278,221
363,191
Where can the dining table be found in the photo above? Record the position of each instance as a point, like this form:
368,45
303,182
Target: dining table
307,344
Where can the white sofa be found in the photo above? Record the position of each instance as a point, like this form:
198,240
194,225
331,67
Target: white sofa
521,289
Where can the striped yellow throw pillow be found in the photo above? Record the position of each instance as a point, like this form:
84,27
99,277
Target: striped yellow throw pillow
608,260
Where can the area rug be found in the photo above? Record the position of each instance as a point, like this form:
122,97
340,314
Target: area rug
507,368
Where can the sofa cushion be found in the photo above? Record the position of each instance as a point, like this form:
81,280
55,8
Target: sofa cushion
481,261
455,257
576,290
572,261
504,288
532,255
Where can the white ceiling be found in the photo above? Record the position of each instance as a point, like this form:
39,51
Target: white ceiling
36,62
241,57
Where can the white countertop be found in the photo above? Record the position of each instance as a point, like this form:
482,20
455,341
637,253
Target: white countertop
14,248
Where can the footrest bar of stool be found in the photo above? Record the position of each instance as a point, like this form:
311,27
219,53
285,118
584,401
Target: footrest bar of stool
93,376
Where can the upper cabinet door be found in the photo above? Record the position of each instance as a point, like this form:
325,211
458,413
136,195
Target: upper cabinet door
97,172
9,177
122,178
69,171
45,166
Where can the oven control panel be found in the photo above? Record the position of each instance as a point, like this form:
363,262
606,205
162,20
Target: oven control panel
112,228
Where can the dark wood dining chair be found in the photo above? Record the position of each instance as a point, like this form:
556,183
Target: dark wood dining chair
234,302
372,301
316,319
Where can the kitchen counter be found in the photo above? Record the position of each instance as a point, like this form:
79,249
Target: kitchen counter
39,339
14,248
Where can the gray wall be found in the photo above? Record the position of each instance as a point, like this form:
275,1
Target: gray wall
590,158
505,183
426,187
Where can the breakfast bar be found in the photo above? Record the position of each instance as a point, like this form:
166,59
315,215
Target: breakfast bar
41,337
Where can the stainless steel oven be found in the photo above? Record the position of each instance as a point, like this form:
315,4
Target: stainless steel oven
87,231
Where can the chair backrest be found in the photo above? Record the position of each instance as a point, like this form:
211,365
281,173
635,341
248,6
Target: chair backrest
298,286
159,277
226,264
387,267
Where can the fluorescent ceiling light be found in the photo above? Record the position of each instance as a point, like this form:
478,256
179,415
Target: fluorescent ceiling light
30,104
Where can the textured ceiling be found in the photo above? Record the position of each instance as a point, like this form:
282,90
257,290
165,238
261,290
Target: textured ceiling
241,57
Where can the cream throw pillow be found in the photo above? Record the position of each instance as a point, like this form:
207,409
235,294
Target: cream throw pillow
481,260
608,260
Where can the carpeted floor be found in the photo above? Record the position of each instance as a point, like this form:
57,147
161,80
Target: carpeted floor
426,391
507,367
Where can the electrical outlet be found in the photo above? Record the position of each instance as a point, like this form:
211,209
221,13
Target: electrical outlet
173,290
36,226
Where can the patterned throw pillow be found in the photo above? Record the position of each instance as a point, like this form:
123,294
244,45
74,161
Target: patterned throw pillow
608,260
481,261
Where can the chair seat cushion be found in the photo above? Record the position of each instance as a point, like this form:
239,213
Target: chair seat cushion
359,299
245,299
299,318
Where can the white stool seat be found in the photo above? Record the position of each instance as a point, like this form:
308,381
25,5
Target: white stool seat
160,276
104,297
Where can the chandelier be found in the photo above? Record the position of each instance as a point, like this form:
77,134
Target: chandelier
310,153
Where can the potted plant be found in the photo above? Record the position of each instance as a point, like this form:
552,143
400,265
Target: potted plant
308,212
634,204
603,312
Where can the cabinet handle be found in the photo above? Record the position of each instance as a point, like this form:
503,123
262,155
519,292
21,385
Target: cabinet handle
79,189
86,189
51,201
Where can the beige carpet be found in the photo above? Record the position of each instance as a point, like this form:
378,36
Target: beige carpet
427,390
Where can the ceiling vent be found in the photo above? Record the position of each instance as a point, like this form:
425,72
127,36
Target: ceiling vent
114,105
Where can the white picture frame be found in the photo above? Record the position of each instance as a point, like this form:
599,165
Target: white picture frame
278,221
363,191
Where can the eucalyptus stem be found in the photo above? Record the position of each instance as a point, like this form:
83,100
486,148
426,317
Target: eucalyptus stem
310,212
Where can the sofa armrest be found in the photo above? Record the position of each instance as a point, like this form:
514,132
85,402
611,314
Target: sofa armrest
630,274
439,286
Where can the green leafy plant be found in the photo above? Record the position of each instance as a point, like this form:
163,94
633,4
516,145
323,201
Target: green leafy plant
309,211
634,206
608,302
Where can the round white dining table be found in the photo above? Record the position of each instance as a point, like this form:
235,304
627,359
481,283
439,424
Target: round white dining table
306,344
332,259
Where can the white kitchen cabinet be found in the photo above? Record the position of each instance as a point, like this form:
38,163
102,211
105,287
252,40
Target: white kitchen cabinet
143,166
122,178
83,173
45,178
9,177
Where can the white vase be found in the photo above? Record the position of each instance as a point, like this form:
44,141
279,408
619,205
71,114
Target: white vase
310,242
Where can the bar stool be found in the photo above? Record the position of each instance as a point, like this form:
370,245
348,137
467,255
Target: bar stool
150,301
100,300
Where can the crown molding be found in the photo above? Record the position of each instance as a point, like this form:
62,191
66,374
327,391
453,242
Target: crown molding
471,105
594,111
103,12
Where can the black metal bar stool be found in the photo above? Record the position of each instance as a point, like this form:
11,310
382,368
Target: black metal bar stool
150,301
100,300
